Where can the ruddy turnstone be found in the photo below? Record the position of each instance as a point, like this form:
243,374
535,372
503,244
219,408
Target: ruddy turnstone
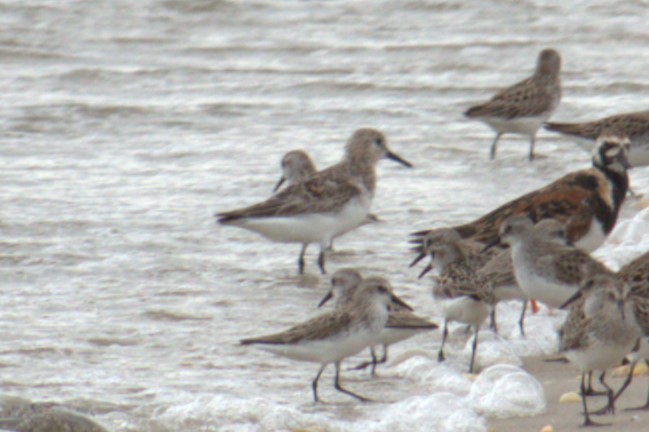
602,187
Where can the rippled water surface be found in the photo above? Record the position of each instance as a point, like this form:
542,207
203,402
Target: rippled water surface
127,124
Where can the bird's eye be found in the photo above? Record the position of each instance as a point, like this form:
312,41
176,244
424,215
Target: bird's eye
382,289
378,141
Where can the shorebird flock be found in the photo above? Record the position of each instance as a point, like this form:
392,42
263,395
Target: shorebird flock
534,248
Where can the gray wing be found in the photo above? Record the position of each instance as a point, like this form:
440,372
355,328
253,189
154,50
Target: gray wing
316,328
408,320
324,193
523,99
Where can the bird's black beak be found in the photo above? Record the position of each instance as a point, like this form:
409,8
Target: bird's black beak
403,304
492,245
395,157
426,269
325,299
576,296
419,257
620,306
279,183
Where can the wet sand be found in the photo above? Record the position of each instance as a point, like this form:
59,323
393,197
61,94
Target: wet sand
560,378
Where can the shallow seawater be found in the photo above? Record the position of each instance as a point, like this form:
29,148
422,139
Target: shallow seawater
128,124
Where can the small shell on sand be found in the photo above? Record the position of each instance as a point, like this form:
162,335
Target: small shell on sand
570,397
640,370
547,428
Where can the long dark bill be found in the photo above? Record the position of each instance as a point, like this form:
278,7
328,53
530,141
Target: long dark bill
325,299
395,157
573,298
279,183
401,303
491,245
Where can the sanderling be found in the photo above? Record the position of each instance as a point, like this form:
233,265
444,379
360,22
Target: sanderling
599,331
297,167
636,275
402,323
335,335
633,125
525,106
474,252
461,294
499,271
334,201
547,271
604,186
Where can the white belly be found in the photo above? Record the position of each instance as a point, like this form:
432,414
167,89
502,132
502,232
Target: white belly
509,292
327,350
547,292
593,239
599,356
522,126
464,310
390,336
311,227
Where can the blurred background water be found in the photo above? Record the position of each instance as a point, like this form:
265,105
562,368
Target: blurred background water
127,124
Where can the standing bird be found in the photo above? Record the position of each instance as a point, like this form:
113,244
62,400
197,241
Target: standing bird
525,106
636,275
297,167
462,295
546,270
498,273
402,323
332,202
335,335
603,187
599,331
633,125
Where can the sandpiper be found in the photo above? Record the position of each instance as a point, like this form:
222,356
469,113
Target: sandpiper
545,270
525,106
636,275
461,294
603,187
402,323
599,331
634,125
334,201
297,167
335,335
474,252
499,271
